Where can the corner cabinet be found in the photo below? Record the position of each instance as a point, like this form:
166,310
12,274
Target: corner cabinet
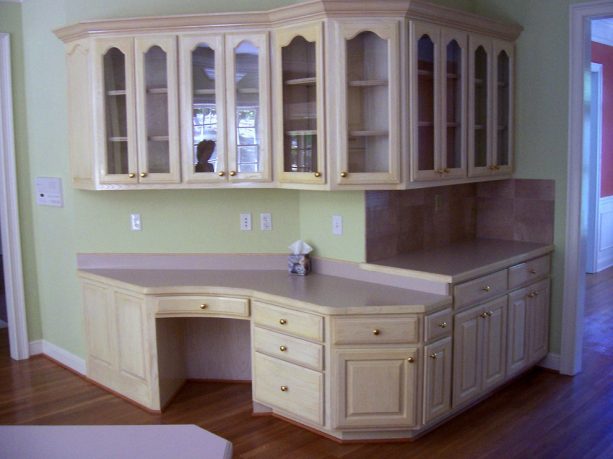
323,94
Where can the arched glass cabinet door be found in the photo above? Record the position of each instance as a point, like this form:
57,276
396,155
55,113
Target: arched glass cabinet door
248,96
503,108
299,91
202,108
115,112
369,140
480,106
157,115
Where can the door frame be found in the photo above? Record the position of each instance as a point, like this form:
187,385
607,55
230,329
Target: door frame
9,213
577,190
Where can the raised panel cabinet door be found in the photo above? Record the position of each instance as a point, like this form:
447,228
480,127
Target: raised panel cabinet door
157,113
375,388
437,379
494,343
202,105
248,99
131,336
538,319
517,332
299,111
368,80
99,317
115,111
467,360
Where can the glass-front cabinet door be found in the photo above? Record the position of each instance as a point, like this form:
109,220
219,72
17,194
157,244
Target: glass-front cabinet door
202,108
157,110
490,107
438,103
115,126
248,96
299,94
369,110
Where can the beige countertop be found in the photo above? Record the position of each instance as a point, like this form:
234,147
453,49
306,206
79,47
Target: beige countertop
316,292
460,261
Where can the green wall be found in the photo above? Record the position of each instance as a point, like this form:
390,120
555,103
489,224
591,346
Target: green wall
206,220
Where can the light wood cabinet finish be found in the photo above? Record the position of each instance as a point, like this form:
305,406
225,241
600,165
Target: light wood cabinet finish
437,379
438,325
218,306
288,348
529,271
481,289
288,321
379,330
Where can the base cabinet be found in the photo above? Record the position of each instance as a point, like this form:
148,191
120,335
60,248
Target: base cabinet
376,388
437,379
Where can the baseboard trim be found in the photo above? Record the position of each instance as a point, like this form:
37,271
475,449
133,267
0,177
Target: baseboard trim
58,354
551,362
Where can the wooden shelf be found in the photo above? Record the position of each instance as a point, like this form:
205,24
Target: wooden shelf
248,90
478,81
157,91
302,132
369,133
366,83
425,124
453,76
503,128
479,127
158,138
453,124
301,117
118,139
426,73
204,92
116,92
301,82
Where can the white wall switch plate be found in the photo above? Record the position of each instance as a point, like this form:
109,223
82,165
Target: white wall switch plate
337,225
266,221
246,222
135,223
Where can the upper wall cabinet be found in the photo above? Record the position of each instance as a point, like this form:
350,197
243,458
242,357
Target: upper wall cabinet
299,101
135,87
438,102
490,112
368,112
322,94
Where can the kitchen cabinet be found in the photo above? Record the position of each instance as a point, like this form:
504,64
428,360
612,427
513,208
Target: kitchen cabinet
368,93
438,92
437,379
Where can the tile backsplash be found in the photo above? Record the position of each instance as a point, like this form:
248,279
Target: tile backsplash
404,221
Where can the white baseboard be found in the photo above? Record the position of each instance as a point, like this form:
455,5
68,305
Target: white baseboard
57,353
3,324
551,362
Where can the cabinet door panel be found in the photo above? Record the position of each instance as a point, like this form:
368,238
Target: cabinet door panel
494,343
466,356
131,343
539,321
375,388
99,325
517,332
437,380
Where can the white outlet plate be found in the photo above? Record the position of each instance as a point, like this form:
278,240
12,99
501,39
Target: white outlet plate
337,225
246,222
266,221
135,223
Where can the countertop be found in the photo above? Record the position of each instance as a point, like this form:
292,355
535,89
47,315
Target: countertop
460,261
319,293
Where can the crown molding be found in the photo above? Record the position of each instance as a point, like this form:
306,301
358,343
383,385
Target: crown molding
310,10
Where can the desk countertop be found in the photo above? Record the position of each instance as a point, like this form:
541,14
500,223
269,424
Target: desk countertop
316,292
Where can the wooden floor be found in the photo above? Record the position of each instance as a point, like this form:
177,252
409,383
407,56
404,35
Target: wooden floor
541,415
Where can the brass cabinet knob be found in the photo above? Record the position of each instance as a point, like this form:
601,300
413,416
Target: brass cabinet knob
344,174
376,332
143,174
282,348
532,271
490,313
536,293
282,321
203,306
487,288
443,325
483,315
131,175
284,388
221,173
317,174
446,171
232,173
410,360
531,295
434,355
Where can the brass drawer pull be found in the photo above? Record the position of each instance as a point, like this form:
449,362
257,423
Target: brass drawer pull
434,355
232,173
376,332
282,348
143,174
131,175
284,388
483,315
282,321
487,288
317,174
204,306
410,360
443,325
490,313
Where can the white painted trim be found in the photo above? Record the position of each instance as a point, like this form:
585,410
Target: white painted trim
3,324
9,213
602,32
59,354
551,362
604,253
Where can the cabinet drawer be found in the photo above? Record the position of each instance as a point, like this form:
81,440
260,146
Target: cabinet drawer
287,348
525,272
481,289
438,324
289,321
289,387
204,305
376,330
